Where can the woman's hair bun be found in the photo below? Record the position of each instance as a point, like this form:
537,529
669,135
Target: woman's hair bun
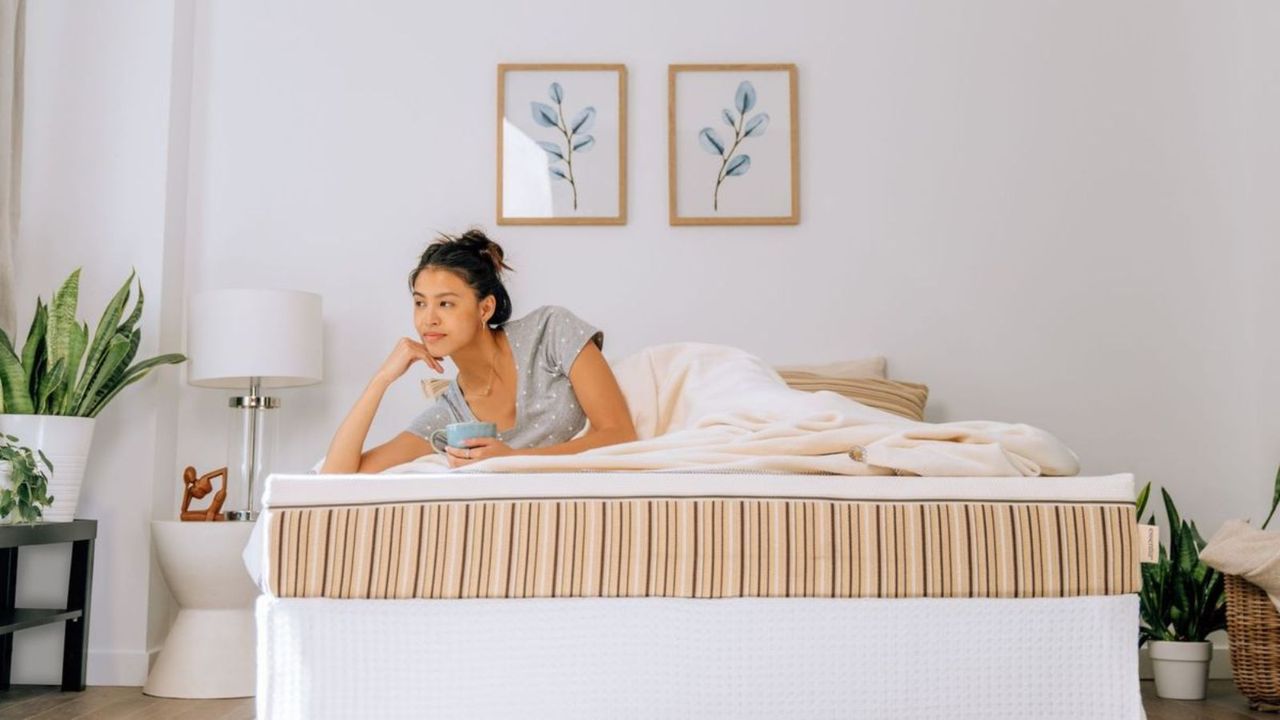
480,243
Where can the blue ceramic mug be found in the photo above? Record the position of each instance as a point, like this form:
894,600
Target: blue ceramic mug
456,434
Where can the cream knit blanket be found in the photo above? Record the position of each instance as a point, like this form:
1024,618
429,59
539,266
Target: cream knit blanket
698,407
1239,549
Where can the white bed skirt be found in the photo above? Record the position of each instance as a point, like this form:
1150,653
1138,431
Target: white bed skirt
675,657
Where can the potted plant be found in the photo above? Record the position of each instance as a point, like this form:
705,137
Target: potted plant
55,384
1181,603
24,486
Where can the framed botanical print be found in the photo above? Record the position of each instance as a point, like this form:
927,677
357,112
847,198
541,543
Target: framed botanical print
733,145
562,144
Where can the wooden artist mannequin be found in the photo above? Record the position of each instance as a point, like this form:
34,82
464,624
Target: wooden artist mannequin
199,487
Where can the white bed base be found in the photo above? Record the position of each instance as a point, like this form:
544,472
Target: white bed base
987,659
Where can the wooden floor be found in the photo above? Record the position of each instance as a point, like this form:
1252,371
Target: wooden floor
1222,702
40,702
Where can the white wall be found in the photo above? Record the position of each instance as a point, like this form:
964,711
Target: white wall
93,196
1057,213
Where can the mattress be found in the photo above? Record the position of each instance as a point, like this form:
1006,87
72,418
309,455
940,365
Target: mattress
987,659
698,535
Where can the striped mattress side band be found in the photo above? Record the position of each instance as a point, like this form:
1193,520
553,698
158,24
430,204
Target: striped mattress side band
702,548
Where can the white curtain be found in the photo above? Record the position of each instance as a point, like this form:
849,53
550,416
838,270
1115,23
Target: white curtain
12,26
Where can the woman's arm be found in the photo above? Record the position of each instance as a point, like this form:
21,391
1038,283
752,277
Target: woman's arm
346,450
602,401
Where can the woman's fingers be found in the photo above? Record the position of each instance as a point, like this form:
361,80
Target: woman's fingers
432,361
422,353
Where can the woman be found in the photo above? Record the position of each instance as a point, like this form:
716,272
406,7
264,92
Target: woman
539,378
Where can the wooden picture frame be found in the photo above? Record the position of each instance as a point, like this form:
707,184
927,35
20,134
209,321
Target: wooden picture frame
539,140
719,94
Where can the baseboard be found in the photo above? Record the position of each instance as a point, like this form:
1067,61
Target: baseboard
127,669
1219,664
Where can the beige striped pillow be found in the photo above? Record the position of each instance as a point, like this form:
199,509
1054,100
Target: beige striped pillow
870,367
900,398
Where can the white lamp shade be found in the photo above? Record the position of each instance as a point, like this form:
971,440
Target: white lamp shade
236,335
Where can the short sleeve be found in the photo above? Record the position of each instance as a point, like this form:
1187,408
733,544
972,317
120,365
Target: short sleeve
564,335
435,417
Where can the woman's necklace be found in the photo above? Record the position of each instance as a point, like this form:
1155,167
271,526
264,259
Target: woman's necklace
493,369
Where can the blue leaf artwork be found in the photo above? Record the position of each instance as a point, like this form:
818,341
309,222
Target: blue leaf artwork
732,165
574,132
711,141
552,149
739,165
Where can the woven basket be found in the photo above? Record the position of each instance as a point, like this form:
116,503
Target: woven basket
1253,629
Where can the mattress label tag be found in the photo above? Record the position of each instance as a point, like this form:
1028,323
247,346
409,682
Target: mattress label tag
1148,543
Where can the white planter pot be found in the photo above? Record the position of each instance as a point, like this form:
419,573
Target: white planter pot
5,473
1181,668
65,441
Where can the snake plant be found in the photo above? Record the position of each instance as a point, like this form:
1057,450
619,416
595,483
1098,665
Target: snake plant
1182,599
59,371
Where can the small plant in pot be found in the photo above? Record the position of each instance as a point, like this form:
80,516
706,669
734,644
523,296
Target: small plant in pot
24,485
1181,602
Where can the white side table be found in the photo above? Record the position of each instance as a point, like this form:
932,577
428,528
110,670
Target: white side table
210,649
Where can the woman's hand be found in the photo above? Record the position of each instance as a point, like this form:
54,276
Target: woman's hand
481,448
406,353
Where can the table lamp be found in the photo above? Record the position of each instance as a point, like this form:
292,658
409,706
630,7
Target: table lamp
254,339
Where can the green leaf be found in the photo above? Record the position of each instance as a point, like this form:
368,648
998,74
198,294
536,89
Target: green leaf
33,350
134,374
1195,533
102,338
64,394
1142,500
117,376
1211,601
114,356
1188,557
167,359
49,385
13,384
1171,512
62,318
1275,499
134,317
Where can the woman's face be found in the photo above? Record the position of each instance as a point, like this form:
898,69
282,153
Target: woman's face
446,312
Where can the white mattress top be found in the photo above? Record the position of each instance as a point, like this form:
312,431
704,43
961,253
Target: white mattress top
324,490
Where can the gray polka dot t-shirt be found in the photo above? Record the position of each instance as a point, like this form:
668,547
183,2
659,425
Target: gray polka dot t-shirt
545,343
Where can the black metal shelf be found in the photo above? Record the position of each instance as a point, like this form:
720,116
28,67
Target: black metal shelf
44,533
23,618
75,643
